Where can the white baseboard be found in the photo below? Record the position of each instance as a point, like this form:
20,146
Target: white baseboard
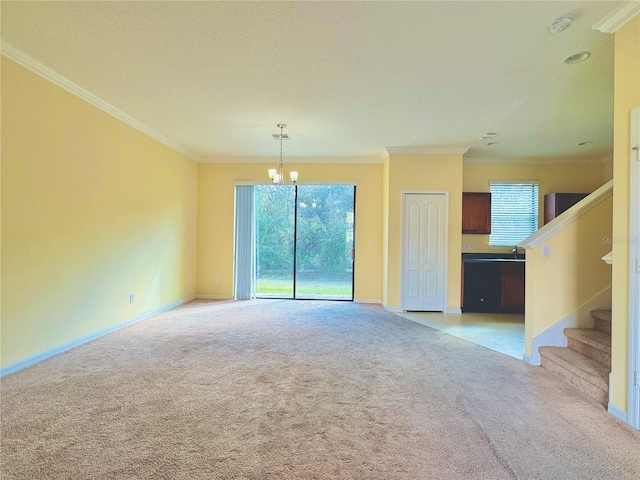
580,318
213,297
453,311
527,359
27,362
617,412
392,309
377,301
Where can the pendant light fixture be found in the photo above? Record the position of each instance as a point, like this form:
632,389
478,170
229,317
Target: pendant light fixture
277,175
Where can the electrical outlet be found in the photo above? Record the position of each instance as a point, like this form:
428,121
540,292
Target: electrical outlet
215,280
546,251
132,297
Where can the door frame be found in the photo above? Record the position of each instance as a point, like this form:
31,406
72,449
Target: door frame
633,365
445,276
353,184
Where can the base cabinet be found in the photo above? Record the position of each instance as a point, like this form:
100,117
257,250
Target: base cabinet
512,292
493,287
482,284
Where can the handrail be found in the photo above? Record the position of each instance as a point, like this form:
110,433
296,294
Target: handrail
568,216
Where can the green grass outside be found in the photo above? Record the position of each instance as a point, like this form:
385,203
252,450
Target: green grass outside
268,285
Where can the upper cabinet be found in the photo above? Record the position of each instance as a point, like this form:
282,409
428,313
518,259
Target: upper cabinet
556,203
476,212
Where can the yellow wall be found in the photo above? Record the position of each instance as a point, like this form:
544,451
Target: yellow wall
626,97
92,210
385,231
216,221
423,172
551,178
572,275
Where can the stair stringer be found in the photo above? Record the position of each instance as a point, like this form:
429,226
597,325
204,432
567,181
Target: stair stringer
581,318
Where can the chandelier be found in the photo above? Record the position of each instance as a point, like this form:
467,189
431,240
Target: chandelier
277,175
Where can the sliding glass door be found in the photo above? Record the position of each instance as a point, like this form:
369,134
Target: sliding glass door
324,242
275,235
304,241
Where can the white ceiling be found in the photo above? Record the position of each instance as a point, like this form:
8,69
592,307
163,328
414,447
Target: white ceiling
348,78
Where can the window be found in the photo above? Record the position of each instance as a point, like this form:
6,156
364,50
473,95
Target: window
514,212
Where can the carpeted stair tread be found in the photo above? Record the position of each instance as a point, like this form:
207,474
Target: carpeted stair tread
602,320
591,337
587,369
604,315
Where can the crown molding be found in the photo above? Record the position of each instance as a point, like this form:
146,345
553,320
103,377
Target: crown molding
293,160
618,17
54,77
427,150
535,160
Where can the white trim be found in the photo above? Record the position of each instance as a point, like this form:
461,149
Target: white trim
581,318
617,18
393,309
214,297
445,276
558,223
376,301
453,311
27,362
535,160
617,412
527,359
427,150
291,160
54,77
633,401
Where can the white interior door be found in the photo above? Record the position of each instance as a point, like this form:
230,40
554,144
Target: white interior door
423,264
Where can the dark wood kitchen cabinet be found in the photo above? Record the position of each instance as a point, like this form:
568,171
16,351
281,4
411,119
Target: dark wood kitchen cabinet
556,203
512,295
476,212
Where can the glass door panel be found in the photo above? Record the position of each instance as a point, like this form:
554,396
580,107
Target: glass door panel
324,242
275,217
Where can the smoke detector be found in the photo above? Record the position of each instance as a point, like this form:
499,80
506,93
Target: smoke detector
560,24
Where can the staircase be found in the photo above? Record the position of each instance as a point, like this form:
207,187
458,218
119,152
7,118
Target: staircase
585,362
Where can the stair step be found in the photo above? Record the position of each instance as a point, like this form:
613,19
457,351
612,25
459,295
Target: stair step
586,375
602,320
591,343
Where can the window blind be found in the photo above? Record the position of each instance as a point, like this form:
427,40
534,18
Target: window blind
244,264
514,212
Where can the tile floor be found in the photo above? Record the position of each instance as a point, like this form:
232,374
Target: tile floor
502,332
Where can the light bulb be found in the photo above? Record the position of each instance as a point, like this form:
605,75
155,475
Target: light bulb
294,176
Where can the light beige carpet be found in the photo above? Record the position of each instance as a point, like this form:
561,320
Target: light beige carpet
270,389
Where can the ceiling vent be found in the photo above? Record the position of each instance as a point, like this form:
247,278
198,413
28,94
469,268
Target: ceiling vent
487,135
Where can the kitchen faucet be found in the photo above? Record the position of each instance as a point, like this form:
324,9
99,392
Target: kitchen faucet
514,250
